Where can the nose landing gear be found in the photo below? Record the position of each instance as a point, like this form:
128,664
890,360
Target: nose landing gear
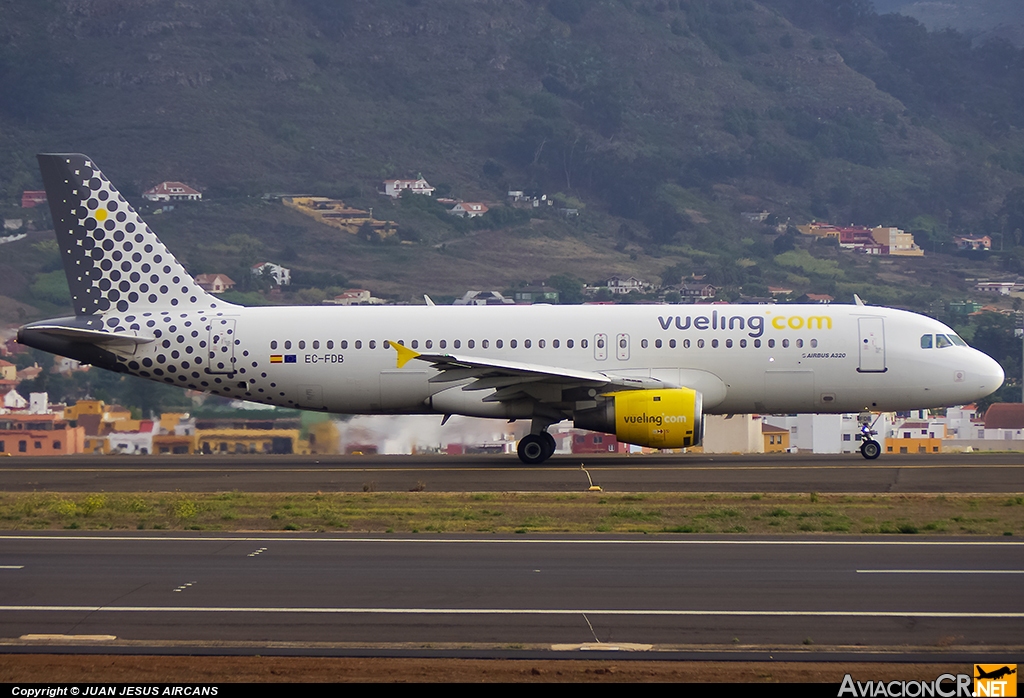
869,448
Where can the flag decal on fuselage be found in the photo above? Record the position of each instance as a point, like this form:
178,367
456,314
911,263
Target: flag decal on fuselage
282,359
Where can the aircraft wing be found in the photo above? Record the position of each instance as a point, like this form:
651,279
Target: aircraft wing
514,379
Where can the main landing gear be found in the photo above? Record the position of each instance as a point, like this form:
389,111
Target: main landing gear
534,449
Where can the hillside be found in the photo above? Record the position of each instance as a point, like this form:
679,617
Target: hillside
661,121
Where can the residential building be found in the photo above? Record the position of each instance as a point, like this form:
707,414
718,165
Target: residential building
1003,288
338,214
354,296
215,283
469,209
896,241
172,191
8,371
483,298
282,276
536,294
973,244
31,199
701,291
396,187
24,434
621,286
776,439
733,433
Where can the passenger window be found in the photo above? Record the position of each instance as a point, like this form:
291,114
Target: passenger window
800,343
600,344
527,344
457,344
926,341
657,344
568,343
330,343
442,343
373,344
700,343
554,343
942,341
743,344
485,343
671,344
359,344
540,343
429,344
512,344
471,343
714,343
771,343
316,343
273,344
757,343
415,344
583,343
814,344
498,343
344,344
643,343
785,344
686,344
728,344
302,344
288,344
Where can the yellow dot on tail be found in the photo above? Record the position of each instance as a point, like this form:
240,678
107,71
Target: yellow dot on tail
100,214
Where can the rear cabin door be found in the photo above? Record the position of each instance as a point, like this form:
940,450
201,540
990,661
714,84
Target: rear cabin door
221,346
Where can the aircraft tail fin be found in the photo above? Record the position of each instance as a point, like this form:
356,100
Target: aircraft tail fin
112,259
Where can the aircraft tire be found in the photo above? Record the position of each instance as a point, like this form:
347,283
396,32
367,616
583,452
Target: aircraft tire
533,449
549,444
871,449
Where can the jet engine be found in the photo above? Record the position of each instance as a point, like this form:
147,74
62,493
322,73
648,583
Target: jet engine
669,418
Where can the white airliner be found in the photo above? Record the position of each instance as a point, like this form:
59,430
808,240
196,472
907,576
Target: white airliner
646,373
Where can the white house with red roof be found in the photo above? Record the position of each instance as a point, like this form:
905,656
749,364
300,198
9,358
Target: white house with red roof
282,276
172,191
395,187
469,209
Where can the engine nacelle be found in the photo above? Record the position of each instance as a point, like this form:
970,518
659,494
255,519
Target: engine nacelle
670,418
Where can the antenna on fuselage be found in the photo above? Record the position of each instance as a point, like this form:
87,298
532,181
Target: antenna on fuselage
857,300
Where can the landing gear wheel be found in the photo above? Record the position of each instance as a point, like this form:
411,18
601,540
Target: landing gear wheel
549,444
533,449
871,449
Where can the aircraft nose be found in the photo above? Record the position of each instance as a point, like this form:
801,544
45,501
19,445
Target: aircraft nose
989,374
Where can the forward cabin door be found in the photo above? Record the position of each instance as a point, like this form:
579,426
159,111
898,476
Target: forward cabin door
872,345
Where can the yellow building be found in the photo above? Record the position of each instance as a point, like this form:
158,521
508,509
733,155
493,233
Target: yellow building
337,214
247,441
900,243
916,437
776,439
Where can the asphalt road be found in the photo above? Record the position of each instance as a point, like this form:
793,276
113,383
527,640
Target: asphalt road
687,473
511,592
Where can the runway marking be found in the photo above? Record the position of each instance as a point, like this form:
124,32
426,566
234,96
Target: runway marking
940,571
285,538
12,567
516,611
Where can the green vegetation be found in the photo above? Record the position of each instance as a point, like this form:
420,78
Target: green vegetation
517,513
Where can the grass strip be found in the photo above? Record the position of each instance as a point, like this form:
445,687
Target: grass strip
420,512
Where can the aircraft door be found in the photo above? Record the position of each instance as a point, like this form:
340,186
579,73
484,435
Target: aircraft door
622,347
872,345
600,347
220,347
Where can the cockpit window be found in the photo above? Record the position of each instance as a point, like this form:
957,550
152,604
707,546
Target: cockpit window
926,341
942,341
957,341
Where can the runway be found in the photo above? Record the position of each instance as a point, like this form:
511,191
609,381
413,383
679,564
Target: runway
659,593
995,473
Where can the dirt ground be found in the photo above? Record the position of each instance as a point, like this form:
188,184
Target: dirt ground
50,668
